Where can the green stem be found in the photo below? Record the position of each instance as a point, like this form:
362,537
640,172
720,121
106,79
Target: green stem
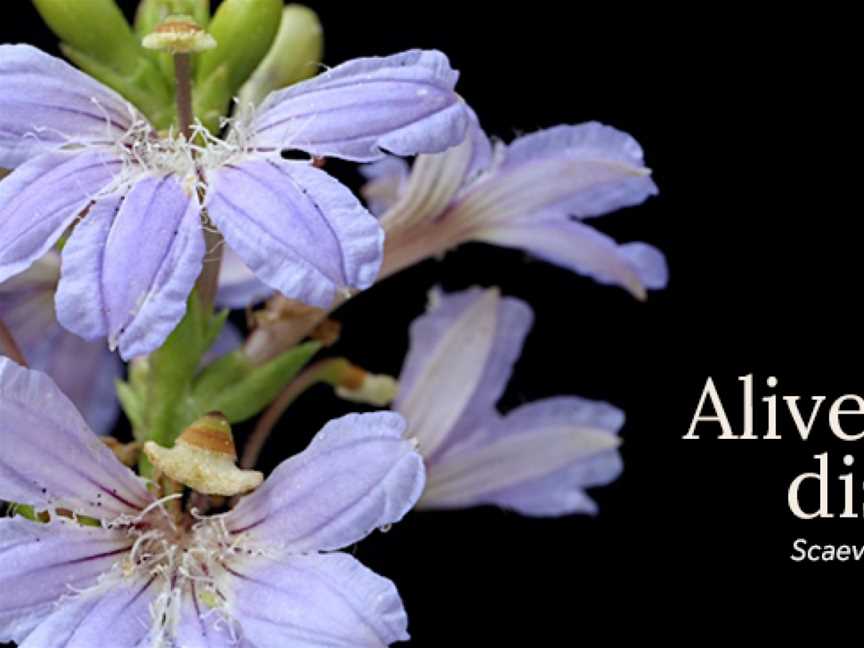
331,371
10,347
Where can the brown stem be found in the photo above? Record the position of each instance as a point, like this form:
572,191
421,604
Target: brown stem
183,75
10,347
208,281
329,370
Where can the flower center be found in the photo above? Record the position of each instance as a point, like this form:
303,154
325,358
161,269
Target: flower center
145,152
186,557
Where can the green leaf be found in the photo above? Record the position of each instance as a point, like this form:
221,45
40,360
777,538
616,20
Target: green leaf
233,386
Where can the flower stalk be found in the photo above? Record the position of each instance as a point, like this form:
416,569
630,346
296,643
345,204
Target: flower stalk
334,371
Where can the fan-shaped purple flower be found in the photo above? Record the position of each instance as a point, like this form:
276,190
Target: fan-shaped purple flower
260,575
86,158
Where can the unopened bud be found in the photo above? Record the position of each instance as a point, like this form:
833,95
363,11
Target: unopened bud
204,458
244,31
359,386
179,35
295,56
95,28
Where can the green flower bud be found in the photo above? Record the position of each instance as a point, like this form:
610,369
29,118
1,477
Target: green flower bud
244,31
295,55
95,28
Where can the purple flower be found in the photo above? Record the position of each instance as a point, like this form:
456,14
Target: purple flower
85,157
84,371
533,194
538,458
260,575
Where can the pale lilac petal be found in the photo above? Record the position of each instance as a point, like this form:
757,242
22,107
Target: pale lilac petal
135,305
358,474
603,166
315,600
385,180
581,248
201,627
41,198
297,228
84,371
117,612
450,350
360,110
51,459
46,103
238,285
537,460
40,563
436,180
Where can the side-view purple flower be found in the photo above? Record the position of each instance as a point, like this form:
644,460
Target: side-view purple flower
533,194
86,157
537,459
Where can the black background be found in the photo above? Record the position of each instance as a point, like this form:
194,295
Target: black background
743,117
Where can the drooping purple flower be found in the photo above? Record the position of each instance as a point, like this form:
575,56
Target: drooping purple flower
537,459
85,157
533,194
261,575
84,371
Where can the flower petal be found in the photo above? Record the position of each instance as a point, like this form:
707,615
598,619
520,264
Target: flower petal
321,600
402,104
135,305
46,103
581,248
41,198
461,356
200,627
40,563
435,180
601,169
358,474
536,460
298,229
51,459
238,285
27,305
119,610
